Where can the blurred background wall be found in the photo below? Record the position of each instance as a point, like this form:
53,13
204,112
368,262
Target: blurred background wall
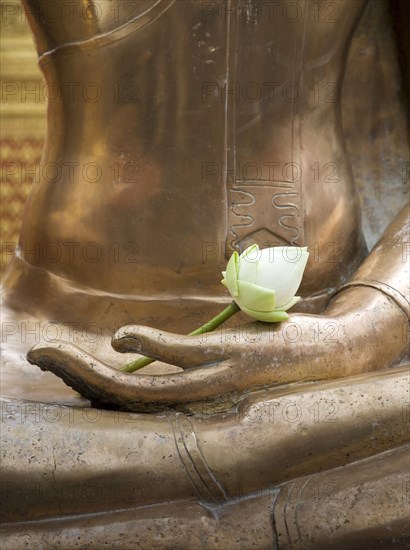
23,119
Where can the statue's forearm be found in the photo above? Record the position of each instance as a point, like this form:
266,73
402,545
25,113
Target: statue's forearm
373,308
387,266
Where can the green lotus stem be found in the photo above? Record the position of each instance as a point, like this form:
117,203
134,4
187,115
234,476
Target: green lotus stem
211,325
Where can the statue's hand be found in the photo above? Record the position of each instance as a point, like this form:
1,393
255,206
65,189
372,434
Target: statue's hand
361,331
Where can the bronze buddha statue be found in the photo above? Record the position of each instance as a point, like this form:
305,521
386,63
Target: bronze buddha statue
182,131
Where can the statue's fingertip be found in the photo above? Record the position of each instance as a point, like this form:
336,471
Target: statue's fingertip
36,352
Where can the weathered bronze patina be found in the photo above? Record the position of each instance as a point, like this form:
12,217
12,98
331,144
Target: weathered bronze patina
184,130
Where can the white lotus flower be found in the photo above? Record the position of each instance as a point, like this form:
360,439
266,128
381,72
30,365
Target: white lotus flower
263,283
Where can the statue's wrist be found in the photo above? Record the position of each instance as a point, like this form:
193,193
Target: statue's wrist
392,293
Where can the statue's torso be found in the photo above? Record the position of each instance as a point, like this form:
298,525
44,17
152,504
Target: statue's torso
186,132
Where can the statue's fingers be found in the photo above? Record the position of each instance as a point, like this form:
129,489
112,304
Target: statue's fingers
78,369
175,349
101,383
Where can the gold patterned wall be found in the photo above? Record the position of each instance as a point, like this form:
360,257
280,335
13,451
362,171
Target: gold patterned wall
23,119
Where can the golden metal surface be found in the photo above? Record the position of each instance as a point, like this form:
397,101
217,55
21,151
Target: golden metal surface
145,173
153,172
291,516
